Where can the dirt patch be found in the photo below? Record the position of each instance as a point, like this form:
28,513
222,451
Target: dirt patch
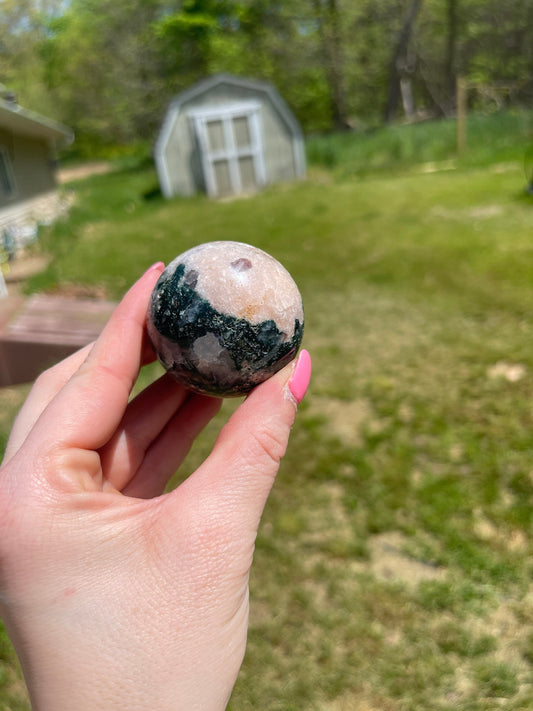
437,167
24,266
351,701
79,172
81,291
343,419
479,212
500,168
388,561
485,212
330,522
512,372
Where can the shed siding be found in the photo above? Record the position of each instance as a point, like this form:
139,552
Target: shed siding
189,173
179,157
222,94
278,146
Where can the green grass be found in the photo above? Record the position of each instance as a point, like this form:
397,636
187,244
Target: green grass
504,136
393,566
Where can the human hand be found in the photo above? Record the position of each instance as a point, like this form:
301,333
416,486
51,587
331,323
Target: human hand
116,595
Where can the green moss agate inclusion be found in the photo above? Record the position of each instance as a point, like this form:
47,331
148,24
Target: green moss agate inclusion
211,352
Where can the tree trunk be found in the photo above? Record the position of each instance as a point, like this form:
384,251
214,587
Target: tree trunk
451,47
407,98
330,33
399,60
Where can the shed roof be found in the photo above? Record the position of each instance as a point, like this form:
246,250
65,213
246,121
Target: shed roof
28,123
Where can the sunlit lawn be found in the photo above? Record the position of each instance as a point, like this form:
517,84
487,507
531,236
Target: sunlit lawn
393,567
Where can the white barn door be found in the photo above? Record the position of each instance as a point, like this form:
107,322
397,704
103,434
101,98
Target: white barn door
232,148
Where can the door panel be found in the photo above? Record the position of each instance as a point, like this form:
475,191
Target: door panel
241,132
247,171
215,133
232,149
222,177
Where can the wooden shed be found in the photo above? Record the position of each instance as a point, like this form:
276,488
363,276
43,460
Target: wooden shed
228,135
28,142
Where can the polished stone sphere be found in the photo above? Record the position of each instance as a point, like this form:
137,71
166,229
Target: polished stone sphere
224,317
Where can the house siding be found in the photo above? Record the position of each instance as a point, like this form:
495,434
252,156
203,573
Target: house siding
32,167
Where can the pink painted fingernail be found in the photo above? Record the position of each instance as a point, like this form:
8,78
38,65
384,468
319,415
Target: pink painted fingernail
158,266
299,380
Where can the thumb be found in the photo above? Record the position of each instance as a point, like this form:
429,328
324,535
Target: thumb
235,480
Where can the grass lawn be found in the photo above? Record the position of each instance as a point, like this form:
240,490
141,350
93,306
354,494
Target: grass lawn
394,563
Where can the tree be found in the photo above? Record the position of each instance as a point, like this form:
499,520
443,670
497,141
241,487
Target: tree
329,21
451,44
186,37
23,28
399,64
103,70
109,67
489,42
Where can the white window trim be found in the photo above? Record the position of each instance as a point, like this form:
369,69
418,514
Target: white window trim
231,153
235,108
6,160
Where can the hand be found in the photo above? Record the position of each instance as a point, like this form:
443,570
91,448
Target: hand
116,595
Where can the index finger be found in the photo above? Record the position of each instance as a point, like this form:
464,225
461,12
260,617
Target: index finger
45,388
87,410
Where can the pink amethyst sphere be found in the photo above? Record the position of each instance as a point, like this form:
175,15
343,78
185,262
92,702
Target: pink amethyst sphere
224,317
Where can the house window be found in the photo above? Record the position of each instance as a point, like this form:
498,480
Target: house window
232,148
7,180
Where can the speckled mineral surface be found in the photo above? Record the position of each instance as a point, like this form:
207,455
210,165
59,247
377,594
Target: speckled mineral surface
224,317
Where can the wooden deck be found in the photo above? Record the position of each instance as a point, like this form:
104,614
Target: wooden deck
38,332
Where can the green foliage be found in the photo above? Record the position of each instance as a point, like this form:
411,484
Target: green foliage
185,38
23,25
504,136
175,28
101,67
10,698
109,68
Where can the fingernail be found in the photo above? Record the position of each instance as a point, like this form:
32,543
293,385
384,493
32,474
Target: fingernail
299,380
158,266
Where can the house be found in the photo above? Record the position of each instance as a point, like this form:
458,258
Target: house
28,143
228,135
